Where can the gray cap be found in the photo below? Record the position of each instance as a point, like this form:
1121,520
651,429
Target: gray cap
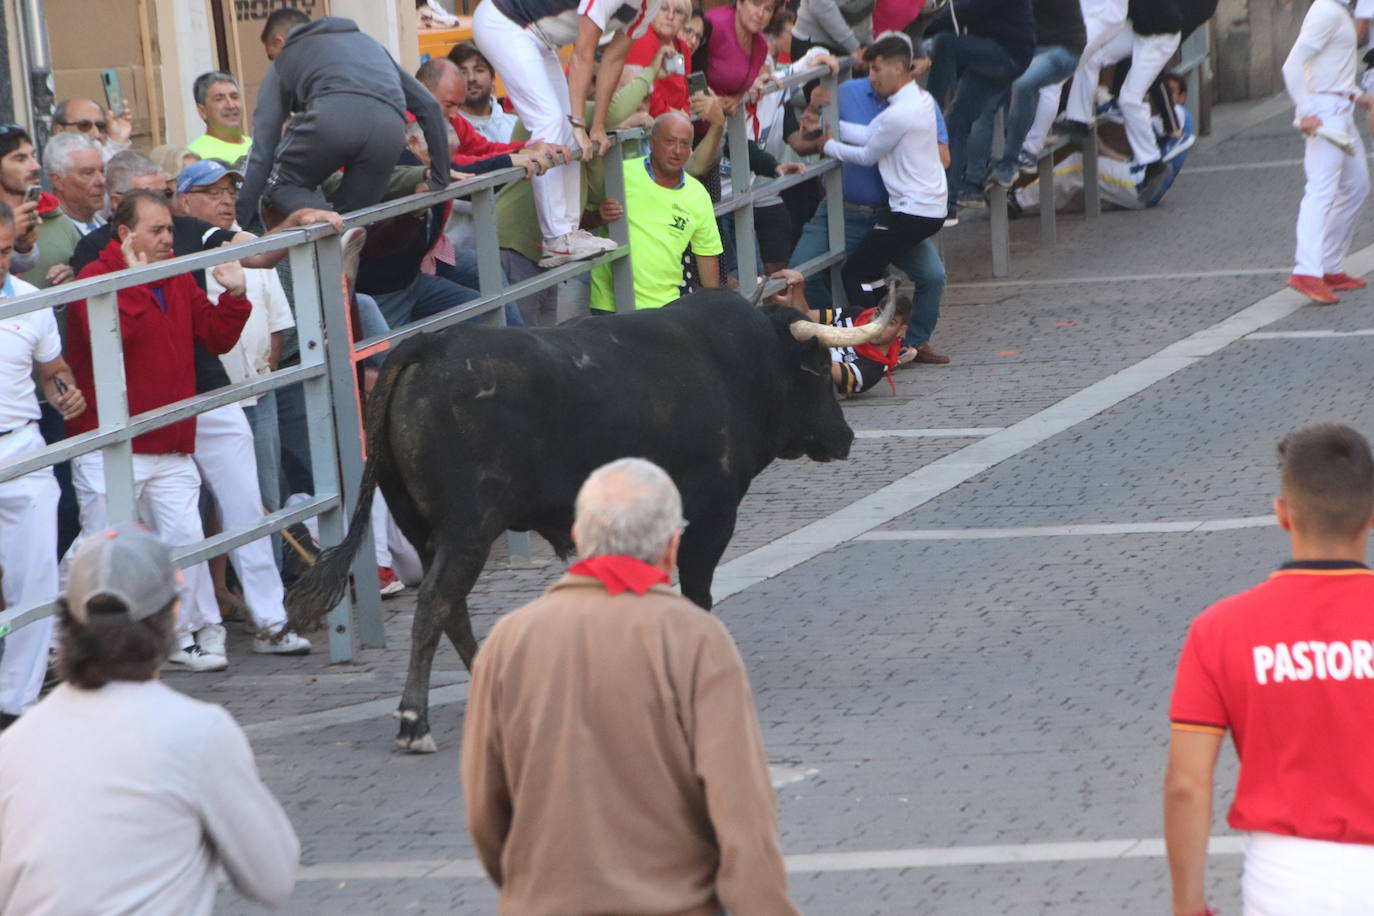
128,563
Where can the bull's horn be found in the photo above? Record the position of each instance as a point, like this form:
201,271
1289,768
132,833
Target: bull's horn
830,336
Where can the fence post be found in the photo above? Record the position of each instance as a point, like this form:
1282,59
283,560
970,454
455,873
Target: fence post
622,274
833,183
112,404
737,147
490,282
348,440
998,218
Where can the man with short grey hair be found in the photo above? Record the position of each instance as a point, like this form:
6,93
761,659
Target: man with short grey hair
76,168
573,693
220,105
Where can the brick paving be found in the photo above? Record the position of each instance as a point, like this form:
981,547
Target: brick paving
954,692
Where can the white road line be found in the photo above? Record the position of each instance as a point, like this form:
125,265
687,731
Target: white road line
1309,335
875,860
1126,278
347,715
1043,531
970,432
944,474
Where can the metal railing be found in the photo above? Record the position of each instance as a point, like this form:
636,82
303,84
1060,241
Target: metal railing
329,355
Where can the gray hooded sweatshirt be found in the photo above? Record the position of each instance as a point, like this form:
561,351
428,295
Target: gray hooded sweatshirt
329,56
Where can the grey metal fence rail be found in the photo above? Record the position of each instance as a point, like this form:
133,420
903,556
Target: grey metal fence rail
328,354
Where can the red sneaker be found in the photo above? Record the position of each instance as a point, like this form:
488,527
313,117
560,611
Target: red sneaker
1314,288
1343,281
388,583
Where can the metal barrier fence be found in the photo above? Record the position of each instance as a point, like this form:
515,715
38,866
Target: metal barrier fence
328,354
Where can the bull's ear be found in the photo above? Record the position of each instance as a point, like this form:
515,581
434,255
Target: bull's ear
815,359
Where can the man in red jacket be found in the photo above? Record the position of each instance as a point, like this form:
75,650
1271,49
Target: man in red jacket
158,323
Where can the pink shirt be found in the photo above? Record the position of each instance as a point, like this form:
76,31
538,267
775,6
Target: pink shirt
729,69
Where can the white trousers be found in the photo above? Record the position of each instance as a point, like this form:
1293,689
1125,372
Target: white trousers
1115,183
1149,54
534,81
28,557
1103,20
1290,876
227,459
1337,185
391,548
167,491
1046,110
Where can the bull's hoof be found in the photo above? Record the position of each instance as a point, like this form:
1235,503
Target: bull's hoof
414,736
421,745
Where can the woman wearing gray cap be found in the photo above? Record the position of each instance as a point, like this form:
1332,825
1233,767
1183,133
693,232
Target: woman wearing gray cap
117,793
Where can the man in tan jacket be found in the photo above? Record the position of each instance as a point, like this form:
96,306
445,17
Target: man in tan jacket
612,760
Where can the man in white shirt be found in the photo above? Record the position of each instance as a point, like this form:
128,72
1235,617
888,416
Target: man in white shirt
1319,75
226,449
904,142
28,504
118,794
521,38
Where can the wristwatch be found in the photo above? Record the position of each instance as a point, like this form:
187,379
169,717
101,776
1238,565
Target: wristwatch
577,122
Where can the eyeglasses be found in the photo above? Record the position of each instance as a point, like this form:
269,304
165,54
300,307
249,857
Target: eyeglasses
228,193
84,125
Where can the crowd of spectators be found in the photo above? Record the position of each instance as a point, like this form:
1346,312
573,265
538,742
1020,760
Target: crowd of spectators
912,156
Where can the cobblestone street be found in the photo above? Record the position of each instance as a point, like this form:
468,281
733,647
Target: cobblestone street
963,693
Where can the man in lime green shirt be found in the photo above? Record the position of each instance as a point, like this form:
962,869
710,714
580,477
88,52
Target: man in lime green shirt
667,211
221,108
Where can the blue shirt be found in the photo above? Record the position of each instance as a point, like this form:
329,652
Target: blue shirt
859,104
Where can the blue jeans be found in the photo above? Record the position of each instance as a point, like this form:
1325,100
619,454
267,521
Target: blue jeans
463,271
979,71
426,295
1051,64
921,264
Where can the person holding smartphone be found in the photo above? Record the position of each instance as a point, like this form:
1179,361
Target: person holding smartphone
19,188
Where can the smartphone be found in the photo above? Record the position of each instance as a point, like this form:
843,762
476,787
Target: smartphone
696,82
32,193
114,95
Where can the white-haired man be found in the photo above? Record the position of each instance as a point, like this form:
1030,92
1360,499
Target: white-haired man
76,168
111,130
571,694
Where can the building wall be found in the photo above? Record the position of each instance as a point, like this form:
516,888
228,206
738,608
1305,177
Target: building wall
1251,40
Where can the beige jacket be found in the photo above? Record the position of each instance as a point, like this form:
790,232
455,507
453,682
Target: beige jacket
612,761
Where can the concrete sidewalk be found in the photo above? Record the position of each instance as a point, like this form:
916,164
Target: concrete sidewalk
981,728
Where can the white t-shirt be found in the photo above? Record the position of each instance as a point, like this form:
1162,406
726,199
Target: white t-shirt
248,358
500,124
904,141
1322,60
555,22
125,799
24,340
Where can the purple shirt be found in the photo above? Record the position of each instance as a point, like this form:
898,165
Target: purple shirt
729,70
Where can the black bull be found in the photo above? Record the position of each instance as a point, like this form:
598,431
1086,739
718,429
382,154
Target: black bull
474,430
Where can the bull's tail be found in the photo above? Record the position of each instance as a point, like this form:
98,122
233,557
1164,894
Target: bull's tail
322,587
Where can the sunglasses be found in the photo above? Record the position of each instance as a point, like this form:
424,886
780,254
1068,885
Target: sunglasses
84,124
12,128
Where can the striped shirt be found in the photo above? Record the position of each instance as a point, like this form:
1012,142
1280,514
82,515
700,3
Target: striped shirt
555,22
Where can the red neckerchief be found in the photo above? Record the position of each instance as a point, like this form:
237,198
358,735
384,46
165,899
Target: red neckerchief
887,357
618,572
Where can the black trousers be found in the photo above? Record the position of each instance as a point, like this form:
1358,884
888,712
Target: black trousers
892,235
359,134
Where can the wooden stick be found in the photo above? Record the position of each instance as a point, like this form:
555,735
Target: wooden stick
146,37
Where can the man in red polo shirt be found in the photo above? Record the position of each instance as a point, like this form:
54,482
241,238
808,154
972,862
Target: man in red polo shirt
158,322
1288,668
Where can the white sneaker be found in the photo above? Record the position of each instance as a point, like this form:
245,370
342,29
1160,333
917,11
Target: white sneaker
193,658
606,243
211,640
287,643
578,245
